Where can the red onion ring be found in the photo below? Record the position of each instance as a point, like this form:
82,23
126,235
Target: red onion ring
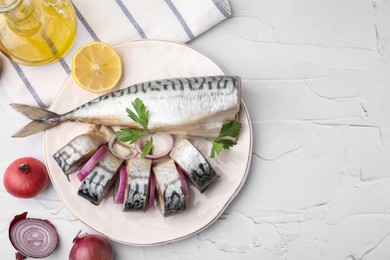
158,138
110,147
152,191
183,182
87,168
32,237
120,186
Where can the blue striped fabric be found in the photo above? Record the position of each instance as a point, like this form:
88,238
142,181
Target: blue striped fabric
181,19
131,19
222,8
85,24
28,85
213,11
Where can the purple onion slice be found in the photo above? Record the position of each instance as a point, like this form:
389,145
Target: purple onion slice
162,144
87,168
111,143
32,237
120,186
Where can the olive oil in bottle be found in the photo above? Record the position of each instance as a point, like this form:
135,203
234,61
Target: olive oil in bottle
35,32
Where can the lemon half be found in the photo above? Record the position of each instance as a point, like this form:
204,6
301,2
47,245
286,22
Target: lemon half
96,67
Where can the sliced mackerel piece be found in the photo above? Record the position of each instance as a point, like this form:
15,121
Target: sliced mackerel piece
71,156
99,181
170,194
198,170
137,189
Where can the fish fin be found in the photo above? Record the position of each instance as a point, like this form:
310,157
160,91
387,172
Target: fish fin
32,112
33,127
42,119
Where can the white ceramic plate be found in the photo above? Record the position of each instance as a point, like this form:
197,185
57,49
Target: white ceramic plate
144,61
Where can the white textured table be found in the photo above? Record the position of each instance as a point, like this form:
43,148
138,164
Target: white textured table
316,84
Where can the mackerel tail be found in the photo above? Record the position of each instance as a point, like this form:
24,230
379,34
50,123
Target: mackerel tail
42,119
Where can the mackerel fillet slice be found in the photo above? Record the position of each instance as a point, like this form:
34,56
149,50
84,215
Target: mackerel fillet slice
137,190
82,147
198,170
170,194
99,181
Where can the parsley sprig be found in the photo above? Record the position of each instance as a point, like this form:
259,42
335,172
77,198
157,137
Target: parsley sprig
230,129
141,116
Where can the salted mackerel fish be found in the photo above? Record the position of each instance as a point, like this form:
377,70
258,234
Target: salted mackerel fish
195,106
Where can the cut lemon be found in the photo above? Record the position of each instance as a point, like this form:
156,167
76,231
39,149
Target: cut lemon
96,67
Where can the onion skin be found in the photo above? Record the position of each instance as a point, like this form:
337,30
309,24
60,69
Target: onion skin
91,247
25,177
19,256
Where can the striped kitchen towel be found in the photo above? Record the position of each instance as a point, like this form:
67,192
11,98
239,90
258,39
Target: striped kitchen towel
113,21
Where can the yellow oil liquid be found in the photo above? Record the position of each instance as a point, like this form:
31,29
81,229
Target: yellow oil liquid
38,32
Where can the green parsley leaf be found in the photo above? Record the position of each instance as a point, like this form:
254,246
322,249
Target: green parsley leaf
226,144
129,135
230,128
216,149
219,145
147,147
142,116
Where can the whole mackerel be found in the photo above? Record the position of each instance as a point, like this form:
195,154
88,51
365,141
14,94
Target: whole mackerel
190,106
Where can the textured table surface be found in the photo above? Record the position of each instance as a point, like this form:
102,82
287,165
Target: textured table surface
316,84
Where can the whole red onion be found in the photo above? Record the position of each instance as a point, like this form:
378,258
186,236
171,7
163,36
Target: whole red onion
25,177
91,247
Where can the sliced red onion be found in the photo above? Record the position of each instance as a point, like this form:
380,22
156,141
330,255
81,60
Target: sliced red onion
120,186
87,168
111,143
32,237
183,182
152,191
162,142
